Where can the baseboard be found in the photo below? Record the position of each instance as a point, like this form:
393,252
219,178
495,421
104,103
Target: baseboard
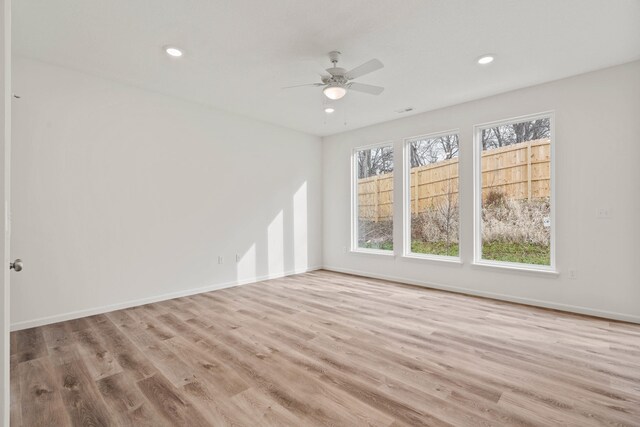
526,301
133,303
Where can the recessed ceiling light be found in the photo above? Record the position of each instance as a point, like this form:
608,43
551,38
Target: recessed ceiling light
485,59
173,51
329,110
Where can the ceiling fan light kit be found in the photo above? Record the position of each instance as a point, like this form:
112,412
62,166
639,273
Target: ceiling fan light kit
334,91
338,81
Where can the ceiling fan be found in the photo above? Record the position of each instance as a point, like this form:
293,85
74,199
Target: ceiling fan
338,81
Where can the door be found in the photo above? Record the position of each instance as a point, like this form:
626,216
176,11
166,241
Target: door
5,150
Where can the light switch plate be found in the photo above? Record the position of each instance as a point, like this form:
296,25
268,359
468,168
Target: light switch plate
603,213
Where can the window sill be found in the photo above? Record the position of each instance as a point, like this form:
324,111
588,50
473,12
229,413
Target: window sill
433,258
507,267
372,252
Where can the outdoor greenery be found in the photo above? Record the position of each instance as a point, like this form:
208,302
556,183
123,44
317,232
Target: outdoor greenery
375,235
512,231
434,248
385,246
526,253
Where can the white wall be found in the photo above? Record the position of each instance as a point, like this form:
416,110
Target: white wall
123,195
597,165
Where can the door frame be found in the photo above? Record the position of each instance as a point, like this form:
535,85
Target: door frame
5,175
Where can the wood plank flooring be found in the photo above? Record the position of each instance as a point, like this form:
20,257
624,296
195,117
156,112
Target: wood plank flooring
324,348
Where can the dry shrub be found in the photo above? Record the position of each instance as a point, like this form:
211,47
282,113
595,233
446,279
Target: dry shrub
518,221
503,220
375,234
437,224
495,198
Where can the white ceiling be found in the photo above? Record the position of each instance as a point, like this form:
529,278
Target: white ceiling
239,53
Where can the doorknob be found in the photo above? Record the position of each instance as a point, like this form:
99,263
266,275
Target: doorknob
16,265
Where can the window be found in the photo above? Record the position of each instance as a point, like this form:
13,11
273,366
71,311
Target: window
514,192
432,195
373,198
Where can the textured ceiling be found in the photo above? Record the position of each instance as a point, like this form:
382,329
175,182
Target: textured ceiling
239,53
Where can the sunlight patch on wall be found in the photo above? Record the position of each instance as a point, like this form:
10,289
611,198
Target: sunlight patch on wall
275,245
300,242
247,265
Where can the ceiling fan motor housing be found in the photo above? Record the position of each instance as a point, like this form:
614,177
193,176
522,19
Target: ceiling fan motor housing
337,73
334,56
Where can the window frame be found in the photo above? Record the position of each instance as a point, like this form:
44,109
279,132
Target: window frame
477,197
406,200
354,248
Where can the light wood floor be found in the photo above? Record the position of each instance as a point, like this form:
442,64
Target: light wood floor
327,349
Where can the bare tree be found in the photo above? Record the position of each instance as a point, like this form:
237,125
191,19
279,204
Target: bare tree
428,151
448,212
375,161
501,136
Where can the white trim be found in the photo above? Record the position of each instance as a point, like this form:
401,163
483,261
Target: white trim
354,190
406,199
526,301
6,99
365,251
426,284
477,194
516,266
432,135
25,324
385,143
433,258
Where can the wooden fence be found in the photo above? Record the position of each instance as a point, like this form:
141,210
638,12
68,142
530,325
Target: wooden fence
519,171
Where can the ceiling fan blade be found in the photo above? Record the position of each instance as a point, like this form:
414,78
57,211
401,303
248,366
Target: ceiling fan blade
366,68
307,84
370,89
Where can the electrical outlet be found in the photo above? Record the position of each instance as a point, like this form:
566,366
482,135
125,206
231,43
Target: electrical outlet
220,260
572,274
237,258
603,213
344,249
